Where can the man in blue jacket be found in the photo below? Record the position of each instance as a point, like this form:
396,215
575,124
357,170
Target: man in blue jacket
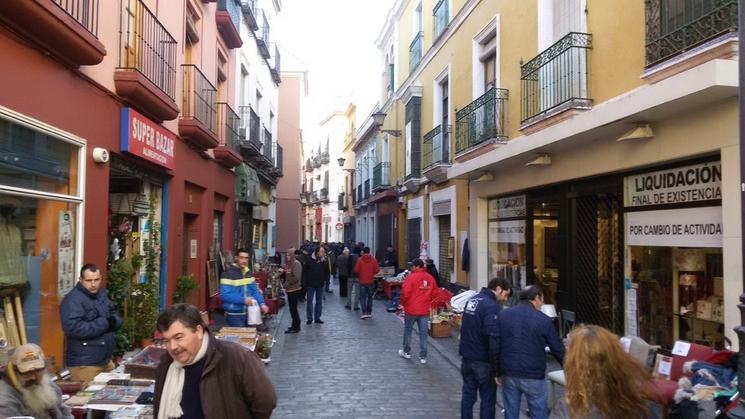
238,290
478,348
523,333
89,320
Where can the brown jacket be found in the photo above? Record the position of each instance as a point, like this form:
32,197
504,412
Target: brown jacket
294,276
234,383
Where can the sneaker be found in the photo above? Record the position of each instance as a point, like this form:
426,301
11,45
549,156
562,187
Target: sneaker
403,354
363,317
422,361
309,322
348,307
319,321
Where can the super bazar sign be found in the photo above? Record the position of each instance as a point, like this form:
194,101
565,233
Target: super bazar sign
700,182
146,139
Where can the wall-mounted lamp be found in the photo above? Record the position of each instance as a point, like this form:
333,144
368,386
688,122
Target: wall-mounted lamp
341,161
543,159
641,131
378,119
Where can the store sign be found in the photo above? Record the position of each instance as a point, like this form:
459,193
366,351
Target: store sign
146,139
507,232
509,207
700,182
689,227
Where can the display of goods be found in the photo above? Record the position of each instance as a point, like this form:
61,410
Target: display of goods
144,364
264,346
439,330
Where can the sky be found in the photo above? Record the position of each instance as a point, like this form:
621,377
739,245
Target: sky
336,41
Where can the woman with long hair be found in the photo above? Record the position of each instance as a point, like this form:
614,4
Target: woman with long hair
602,381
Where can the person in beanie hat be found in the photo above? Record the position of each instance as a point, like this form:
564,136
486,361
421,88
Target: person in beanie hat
26,389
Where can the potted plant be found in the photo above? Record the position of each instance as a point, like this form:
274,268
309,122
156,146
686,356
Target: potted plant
185,284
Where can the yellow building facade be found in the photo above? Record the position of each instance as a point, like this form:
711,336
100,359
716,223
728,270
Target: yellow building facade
592,150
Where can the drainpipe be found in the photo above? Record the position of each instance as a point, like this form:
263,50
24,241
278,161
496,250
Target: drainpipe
739,412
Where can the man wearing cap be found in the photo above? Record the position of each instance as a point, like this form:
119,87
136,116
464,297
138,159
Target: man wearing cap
89,320
26,390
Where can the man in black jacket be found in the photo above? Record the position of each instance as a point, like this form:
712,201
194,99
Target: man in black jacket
478,347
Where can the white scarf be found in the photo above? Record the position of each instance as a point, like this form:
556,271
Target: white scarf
170,398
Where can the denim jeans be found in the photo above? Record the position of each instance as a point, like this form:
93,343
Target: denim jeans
366,297
353,292
314,314
236,320
535,391
477,377
421,321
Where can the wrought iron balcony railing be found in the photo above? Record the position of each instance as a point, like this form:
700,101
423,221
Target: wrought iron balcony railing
250,126
436,147
199,97
341,201
228,126
441,14
359,193
415,51
381,175
231,35
323,194
249,13
262,35
146,46
323,158
268,145
483,119
279,159
677,26
556,79
274,67
366,189
85,12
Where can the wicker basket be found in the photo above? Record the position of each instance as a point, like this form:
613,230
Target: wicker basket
440,330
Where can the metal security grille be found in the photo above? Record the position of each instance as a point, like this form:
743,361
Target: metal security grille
414,237
598,248
446,264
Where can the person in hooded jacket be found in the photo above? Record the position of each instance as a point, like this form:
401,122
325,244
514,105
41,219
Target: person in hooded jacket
432,270
317,271
366,268
89,320
416,299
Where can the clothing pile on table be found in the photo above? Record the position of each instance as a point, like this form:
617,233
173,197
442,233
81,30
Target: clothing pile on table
707,386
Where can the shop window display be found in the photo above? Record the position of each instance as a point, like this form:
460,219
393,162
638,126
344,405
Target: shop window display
680,294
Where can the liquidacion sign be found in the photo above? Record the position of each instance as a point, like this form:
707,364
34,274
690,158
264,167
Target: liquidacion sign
689,227
146,139
700,182
513,206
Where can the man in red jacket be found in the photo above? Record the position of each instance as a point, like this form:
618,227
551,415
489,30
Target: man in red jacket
366,268
416,298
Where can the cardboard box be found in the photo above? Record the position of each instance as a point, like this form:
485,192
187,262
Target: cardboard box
440,330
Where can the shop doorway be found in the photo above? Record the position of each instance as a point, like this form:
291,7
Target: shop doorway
545,250
414,237
445,253
385,234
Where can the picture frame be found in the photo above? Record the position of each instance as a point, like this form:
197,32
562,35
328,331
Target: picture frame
213,280
451,247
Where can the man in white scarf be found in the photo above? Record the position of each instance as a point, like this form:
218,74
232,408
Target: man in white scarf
203,377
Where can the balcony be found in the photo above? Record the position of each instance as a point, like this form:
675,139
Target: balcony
441,14
323,158
366,189
246,185
249,13
359,194
228,20
323,195
68,29
309,165
342,203
268,149
146,76
556,80
436,154
381,176
262,35
676,27
228,153
274,68
248,133
278,161
415,51
198,121
482,120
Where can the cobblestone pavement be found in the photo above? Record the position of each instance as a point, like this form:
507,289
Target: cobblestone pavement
350,368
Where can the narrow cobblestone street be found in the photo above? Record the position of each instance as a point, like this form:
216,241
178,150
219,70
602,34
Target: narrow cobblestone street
350,368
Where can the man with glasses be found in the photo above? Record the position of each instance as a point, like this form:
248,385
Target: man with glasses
478,347
26,390
89,320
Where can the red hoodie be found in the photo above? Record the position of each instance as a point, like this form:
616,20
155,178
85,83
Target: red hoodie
417,292
366,268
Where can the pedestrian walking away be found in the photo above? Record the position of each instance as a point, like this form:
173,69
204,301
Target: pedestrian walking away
317,271
478,349
416,299
293,273
89,320
366,268
238,290
203,377
353,286
523,334
342,270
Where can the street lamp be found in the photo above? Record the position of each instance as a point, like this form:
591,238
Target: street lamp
378,119
341,161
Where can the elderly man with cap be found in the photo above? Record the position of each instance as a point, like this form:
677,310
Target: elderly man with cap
26,390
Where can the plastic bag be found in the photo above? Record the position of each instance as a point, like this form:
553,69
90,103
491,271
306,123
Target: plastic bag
254,314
